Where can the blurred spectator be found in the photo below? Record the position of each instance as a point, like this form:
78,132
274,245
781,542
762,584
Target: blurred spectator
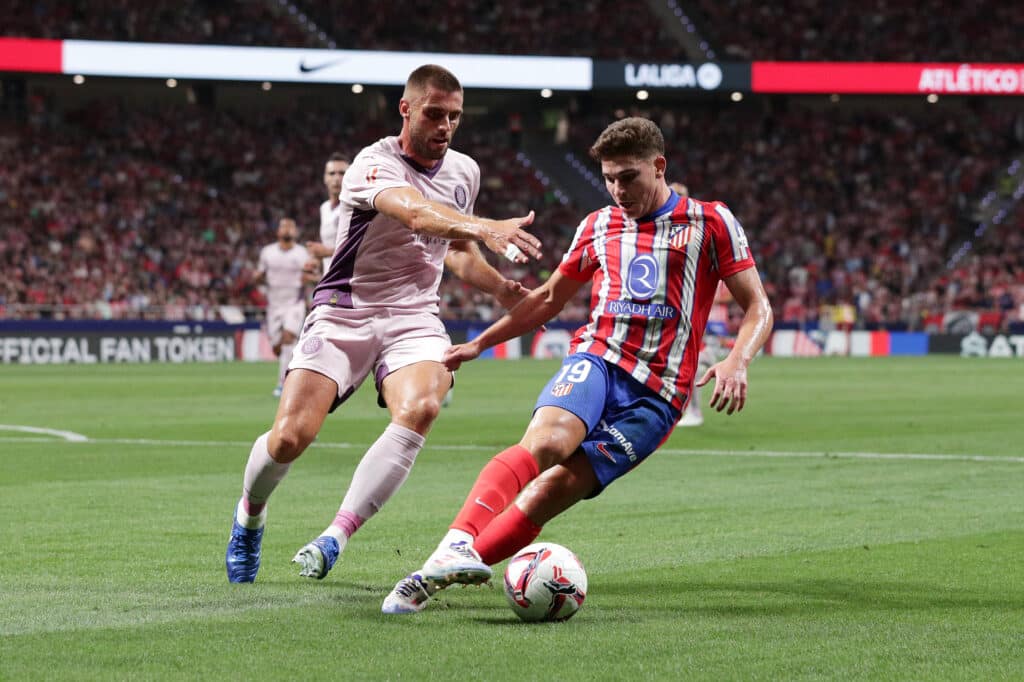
870,30
216,22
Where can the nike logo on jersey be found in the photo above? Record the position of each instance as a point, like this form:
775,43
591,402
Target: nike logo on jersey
484,505
306,68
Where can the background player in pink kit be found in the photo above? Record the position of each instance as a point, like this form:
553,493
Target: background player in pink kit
323,250
406,212
654,260
282,266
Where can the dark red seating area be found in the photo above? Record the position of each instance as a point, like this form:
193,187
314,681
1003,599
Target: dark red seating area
592,28
873,30
221,22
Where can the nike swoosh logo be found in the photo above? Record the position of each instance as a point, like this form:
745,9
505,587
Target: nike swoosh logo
306,68
484,505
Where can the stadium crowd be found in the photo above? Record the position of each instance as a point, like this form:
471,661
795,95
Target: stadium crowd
166,208
875,30
213,22
872,30
853,215
547,27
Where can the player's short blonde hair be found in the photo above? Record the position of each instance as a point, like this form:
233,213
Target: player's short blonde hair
633,136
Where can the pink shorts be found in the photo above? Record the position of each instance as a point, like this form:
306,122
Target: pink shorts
346,344
284,318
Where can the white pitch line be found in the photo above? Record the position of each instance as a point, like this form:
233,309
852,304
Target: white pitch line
781,454
847,455
69,436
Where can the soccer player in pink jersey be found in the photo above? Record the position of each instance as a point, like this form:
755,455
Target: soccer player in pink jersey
334,173
653,260
282,267
406,211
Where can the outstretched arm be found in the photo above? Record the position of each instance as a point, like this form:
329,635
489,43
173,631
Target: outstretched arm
539,306
731,373
419,214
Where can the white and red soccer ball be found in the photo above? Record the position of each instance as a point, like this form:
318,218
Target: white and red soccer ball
545,582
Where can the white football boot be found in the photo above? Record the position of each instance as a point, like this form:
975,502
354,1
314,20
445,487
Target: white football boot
455,563
409,596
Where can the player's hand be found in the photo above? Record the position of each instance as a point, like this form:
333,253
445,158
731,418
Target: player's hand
511,293
730,386
312,265
456,355
508,238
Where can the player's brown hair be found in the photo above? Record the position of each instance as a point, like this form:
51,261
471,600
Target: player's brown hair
432,74
337,156
633,136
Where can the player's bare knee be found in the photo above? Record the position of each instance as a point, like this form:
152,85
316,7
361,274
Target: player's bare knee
287,441
550,448
418,414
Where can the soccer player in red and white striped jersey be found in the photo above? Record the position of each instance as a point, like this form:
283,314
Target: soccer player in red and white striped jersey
654,261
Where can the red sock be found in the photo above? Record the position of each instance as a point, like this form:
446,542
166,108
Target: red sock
504,536
499,482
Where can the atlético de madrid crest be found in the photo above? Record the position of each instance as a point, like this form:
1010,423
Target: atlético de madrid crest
679,235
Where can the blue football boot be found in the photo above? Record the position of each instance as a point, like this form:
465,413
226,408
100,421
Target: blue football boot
243,556
318,557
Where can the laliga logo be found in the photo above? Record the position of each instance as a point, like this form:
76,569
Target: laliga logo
706,76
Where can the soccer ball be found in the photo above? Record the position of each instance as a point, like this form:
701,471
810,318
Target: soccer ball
545,582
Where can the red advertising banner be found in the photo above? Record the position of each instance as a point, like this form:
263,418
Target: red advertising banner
887,78
27,54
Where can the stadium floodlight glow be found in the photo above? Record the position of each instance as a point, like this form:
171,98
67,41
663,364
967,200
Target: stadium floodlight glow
736,96
932,98
266,86
172,82
546,93
642,95
357,88
78,79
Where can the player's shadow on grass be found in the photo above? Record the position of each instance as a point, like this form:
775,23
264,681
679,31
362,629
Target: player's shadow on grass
798,596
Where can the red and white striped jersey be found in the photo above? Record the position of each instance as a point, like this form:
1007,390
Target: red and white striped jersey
654,282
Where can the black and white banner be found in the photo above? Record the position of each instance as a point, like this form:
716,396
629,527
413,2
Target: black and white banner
90,342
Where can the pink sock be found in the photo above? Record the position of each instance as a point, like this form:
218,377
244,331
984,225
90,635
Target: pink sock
262,474
381,472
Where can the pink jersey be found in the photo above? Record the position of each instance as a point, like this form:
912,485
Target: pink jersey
379,262
283,269
654,282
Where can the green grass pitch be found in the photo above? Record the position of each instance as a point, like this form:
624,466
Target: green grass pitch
777,544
